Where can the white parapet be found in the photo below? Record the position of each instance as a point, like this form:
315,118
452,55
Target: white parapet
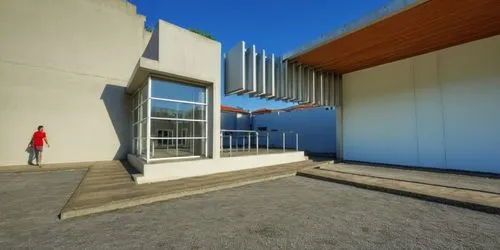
172,170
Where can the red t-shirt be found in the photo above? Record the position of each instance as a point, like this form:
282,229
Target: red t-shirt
38,138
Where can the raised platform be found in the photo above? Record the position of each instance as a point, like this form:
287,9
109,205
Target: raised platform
173,170
108,187
478,193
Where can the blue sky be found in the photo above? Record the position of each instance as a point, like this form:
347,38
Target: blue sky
276,26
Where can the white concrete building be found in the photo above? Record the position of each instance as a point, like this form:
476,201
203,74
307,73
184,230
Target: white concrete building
315,127
309,127
417,83
66,71
235,119
104,88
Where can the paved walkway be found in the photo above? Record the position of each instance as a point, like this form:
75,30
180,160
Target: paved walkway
478,193
289,213
46,168
109,186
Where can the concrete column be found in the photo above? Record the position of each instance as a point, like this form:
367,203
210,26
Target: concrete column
214,121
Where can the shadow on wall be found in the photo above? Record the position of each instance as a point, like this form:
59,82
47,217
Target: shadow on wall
118,104
31,154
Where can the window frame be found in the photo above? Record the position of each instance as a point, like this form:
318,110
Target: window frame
138,121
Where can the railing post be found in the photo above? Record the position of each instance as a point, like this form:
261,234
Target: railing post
267,142
249,145
297,141
243,145
230,144
284,142
257,142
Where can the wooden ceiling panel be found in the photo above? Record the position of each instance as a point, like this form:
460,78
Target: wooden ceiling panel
423,28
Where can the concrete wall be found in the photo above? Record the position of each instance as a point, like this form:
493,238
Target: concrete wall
235,121
183,169
435,110
316,128
228,120
64,64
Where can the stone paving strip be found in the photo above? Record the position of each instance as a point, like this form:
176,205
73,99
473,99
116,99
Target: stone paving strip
480,198
48,167
109,186
446,179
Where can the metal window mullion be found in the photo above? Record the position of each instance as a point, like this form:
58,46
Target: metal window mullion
132,133
177,119
143,119
178,101
139,114
140,104
177,133
148,122
192,130
175,138
206,123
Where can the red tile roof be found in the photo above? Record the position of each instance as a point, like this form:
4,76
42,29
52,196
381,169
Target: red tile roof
301,107
264,111
297,107
232,109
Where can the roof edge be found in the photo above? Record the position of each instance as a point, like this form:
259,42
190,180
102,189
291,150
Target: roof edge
393,8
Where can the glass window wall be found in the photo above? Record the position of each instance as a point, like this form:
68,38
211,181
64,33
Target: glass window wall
176,125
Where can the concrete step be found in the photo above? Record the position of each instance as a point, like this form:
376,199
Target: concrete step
87,200
472,199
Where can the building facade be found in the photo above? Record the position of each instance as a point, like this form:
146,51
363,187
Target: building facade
416,83
66,71
103,87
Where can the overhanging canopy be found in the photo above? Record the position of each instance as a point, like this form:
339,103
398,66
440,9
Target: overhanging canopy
417,28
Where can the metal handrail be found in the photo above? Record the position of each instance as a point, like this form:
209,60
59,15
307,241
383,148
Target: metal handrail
257,145
239,131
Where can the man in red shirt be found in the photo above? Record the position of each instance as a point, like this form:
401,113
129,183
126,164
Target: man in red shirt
37,143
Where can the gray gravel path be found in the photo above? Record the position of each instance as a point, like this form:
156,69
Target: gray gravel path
291,213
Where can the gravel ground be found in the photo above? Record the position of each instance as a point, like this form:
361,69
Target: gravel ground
291,213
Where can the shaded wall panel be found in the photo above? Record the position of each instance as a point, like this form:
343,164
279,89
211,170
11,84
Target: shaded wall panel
270,76
435,110
261,73
235,68
251,69
428,111
470,79
379,115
